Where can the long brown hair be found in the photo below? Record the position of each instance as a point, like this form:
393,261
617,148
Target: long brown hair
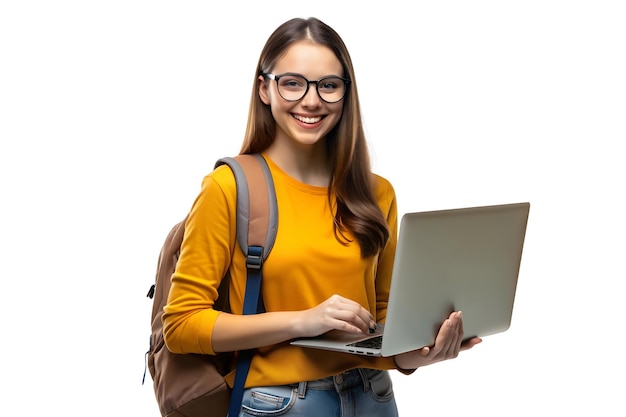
352,180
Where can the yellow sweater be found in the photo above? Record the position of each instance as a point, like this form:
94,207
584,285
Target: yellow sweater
306,266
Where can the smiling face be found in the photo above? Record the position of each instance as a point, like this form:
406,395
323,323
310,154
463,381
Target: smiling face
305,122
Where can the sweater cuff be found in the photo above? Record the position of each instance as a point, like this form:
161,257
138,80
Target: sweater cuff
402,370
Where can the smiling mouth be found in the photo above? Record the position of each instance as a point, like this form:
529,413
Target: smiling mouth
308,120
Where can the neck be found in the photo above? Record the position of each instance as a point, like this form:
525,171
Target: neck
307,164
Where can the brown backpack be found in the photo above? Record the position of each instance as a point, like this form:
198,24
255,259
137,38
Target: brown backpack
192,385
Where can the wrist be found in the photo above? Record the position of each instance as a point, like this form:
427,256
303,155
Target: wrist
296,324
402,367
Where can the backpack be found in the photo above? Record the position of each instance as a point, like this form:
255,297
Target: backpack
193,385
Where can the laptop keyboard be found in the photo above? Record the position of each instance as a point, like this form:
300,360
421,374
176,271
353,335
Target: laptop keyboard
372,343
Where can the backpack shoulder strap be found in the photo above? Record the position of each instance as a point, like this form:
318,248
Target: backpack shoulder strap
257,219
257,224
257,212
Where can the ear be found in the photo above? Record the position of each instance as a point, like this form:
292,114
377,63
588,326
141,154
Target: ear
264,93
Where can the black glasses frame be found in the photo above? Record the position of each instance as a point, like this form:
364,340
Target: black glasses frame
275,77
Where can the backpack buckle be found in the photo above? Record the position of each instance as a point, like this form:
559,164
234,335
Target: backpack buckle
254,259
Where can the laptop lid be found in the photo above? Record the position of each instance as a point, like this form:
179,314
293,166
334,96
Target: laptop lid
454,260
465,259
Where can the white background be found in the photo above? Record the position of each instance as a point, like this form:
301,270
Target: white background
112,112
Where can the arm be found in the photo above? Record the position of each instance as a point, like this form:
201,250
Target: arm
236,332
192,325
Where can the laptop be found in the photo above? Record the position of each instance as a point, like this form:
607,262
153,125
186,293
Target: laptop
463,259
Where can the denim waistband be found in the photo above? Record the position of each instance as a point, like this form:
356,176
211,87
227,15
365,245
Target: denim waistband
340,382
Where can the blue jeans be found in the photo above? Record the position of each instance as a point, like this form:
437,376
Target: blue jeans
356,393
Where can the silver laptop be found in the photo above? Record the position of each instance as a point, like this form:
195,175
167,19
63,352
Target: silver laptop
465,259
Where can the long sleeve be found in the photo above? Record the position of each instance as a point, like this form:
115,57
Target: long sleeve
307,265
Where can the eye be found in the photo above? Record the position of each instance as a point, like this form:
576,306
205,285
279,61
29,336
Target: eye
292,82
330,84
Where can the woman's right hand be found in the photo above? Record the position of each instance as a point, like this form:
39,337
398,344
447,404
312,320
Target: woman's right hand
336,313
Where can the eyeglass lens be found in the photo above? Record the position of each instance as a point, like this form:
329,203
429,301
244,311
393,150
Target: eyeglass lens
294,87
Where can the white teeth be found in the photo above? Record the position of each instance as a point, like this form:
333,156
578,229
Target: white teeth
308,119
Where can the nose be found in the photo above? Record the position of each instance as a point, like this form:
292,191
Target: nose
311,98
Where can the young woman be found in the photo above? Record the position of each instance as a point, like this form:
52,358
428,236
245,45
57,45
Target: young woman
330,267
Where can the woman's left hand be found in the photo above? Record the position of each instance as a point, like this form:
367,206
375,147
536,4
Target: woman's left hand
448,344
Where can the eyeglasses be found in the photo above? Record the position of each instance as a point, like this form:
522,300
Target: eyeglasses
293,87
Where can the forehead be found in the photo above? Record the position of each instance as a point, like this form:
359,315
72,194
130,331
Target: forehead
309,59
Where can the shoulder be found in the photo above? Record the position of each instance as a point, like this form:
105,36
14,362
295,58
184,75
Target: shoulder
218,188
383,189
244,165
221,177
382,183
385,196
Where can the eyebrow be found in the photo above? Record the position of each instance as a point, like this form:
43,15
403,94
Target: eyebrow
304,76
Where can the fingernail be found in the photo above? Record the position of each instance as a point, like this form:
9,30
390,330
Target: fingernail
373,326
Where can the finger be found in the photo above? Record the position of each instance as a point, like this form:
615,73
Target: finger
447,337
451,337
470,343
344,326
357,315
350,320
441,340
461,334
458,336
